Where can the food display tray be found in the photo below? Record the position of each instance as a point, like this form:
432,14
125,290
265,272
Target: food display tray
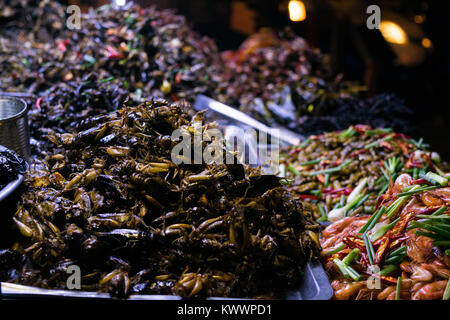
315,286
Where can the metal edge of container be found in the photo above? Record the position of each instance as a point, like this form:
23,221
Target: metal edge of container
315,286
18,115
11,187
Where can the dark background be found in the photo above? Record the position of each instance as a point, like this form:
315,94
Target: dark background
338,27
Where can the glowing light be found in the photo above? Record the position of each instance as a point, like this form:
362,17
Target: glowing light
426,43
120,2
297,11
419,19
393,33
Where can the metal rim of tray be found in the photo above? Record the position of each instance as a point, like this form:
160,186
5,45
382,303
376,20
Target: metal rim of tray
11,187
315,286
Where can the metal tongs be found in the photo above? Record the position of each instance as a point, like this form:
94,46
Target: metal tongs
203,102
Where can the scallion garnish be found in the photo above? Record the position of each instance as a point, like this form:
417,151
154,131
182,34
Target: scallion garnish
373,220
369,248
374,144
387,270
399,288
446,295
310,162
331,170
437,178
383,229
336,250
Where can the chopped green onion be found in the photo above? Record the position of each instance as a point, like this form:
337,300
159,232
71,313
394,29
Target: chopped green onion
335,169
382,230
399,288
398,251
310,162
336,214
395,206
374,144
415,173
439,231
348,260
286,182
395,260
108,79
348,133
378,131
357,191
369,248
347,271
304,143
439,211
447,252
327,180
446,295
424,176
323,214
294,170
342,201
375,217
282,169
338,249
442,243
427,234
417,190
437,178
387,270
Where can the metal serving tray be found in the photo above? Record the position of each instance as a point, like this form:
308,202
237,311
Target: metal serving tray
315,286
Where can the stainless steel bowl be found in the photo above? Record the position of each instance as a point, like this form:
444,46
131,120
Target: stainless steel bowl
14,133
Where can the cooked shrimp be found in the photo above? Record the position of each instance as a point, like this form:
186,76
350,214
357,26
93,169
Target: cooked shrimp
421,274
420,248
430,199
431,291
333,234
438,268
344,290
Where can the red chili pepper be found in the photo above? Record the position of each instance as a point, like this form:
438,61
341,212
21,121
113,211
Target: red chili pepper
344,191
354,242
173,96
295,151
307,196
386,145
62,45
421,181
382,249
414,164
356,153
361,128
379,202
177,78
38,103
429,161
113,53
401,135
141,11
403,146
